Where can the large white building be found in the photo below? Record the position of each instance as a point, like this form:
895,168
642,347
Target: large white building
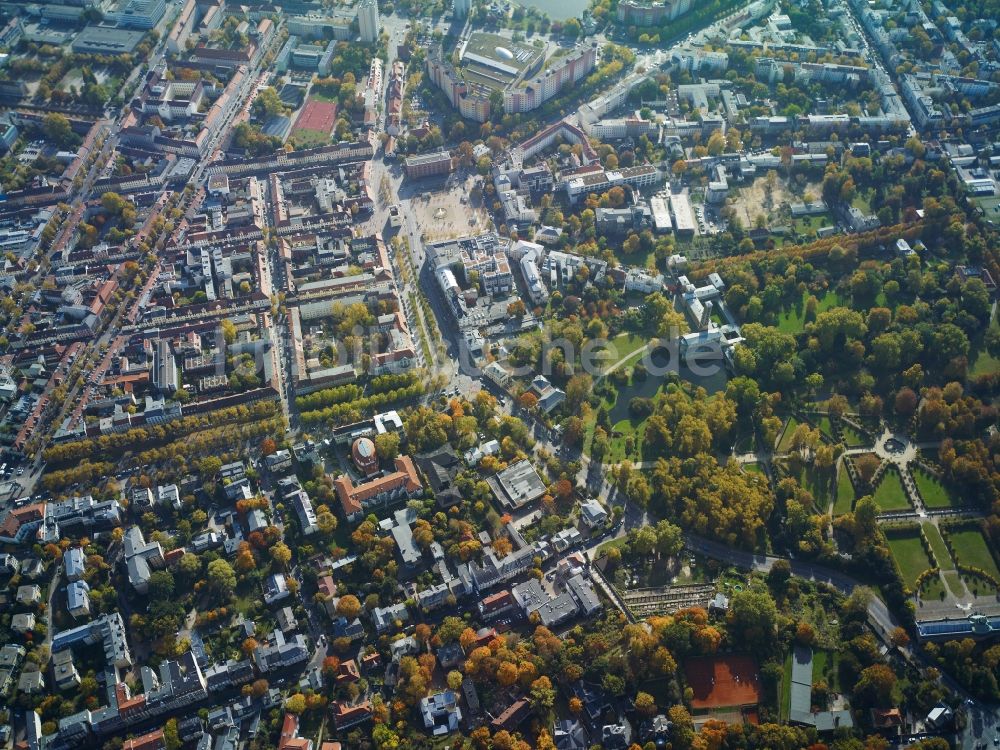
140,14
368,21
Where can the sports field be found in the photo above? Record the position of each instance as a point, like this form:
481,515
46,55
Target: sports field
719,681
317,116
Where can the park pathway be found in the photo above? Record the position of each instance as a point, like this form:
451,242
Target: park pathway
631,355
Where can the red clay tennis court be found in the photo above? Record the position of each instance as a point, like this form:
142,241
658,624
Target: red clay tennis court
316,115
723,681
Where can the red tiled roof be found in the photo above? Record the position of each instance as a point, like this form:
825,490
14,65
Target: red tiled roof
151,741
126,703
352,497
14,520
290,739
326,585
344,714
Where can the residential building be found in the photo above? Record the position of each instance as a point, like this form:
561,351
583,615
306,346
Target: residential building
140,558
289,738
78,599
549,397
20,524
593,514
428,165
64,672
345,715
32,682
23,623
495,605
385,618
634,13
281,653
150,741
74,563
108,630
29,594
584,595
369,22
441,712
275,588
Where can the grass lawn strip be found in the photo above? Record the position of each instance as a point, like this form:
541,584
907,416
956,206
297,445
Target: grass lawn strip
852,437
932,490
938,547
910,556
971,548
890,494
786,689
845,493
786,435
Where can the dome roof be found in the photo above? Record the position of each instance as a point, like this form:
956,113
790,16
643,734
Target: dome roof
364,448
505,53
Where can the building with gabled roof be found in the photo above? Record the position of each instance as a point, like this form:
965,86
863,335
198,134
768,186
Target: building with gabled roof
149,741
441,712
289,739
345,715
403,483
140,557
74,563
19,524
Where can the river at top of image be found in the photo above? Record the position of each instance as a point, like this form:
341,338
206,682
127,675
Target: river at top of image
559,10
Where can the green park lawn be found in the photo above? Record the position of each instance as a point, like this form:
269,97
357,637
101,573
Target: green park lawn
933,491
624,345
970,546
845,493
818,484
753,467
786,436
909,552
954,581
792,319
809,224
981,362
890,494
853,438
825,667
932,588
938,547
620,432
306,138
823,422
319,96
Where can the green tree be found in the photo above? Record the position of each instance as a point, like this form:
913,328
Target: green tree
387,446
171,739
57,129
221,577
296,704
753,615
161,585
669,539
281,554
